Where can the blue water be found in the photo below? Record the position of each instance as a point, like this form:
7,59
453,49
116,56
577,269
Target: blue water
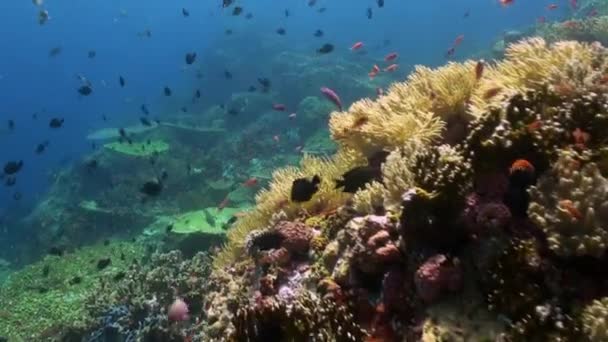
32,82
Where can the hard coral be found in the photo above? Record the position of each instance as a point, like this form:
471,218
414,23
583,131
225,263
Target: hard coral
570,205
436,276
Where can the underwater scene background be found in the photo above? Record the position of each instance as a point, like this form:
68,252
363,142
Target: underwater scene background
304,170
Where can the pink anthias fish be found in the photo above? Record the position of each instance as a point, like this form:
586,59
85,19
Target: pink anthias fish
332,96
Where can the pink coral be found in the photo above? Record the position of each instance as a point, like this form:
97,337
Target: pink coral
387,254
178,311
435,276
375,248
295,236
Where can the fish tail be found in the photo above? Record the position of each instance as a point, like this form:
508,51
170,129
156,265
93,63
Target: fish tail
339,183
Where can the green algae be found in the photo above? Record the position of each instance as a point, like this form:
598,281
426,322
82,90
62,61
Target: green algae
138,149
39,301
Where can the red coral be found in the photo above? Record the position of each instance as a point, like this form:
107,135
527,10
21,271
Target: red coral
279,257
296,236
435,276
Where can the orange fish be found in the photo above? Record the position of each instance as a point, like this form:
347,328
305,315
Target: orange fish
479,69
391,56
552,7
391,68
356,46
223,204
505,3
250,182
458,40
374,72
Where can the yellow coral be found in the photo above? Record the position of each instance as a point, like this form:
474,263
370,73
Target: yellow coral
594,319
275,198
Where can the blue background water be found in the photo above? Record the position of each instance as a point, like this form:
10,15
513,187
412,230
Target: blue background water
32,82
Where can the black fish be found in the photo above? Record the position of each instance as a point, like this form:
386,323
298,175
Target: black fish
93,146
103,263
311,3
318,33
287,13
228,32
121,81
103,117
92,164
167,91
169,228
380,3
10,181
119,276
326,48
17,196
466,14
197,94
164,175
144,109
237,11
184,109
122,132
233,111
56,123
369,13
41,147
303,189
356,178
145,121
92,54
264,82
35,116
249,16
190,57
281,31
12,167
185,12
11,124
227,75
252,89
227,3
85,90
151,188
322,9
55,51
56,251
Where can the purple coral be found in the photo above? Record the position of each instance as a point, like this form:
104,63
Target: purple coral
435,276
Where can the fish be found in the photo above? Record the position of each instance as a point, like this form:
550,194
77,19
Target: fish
250,182
264,82
541,20
379,91
190,57
56,122
276,138
10,181
11,124
450,52
322,10
506,3
369,13
40,148
303,189
208,218
167,91
55,51
552,7
311,3
356,46
458,40
227,3
151,188
197,94
85,90
145,121
574,4
38,2
43,16
286,12
227,75
233,111
391,57
252,89
92,54
103,263
249,16
356,178
466,14
281,31
185,12
145,33
279,107
374,72
223,204
237,11
144,109
332,96
479,67
12,167
292,116
228,32
318,33
325,49
56,251
121,81
391,68
92,164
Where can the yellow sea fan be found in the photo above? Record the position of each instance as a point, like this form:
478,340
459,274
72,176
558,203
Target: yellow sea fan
275,198
528,66
413,110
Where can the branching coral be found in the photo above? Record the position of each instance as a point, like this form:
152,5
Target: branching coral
571,206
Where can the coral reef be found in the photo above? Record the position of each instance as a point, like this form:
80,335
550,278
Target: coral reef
141,149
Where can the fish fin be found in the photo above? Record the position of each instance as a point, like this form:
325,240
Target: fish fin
339,183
